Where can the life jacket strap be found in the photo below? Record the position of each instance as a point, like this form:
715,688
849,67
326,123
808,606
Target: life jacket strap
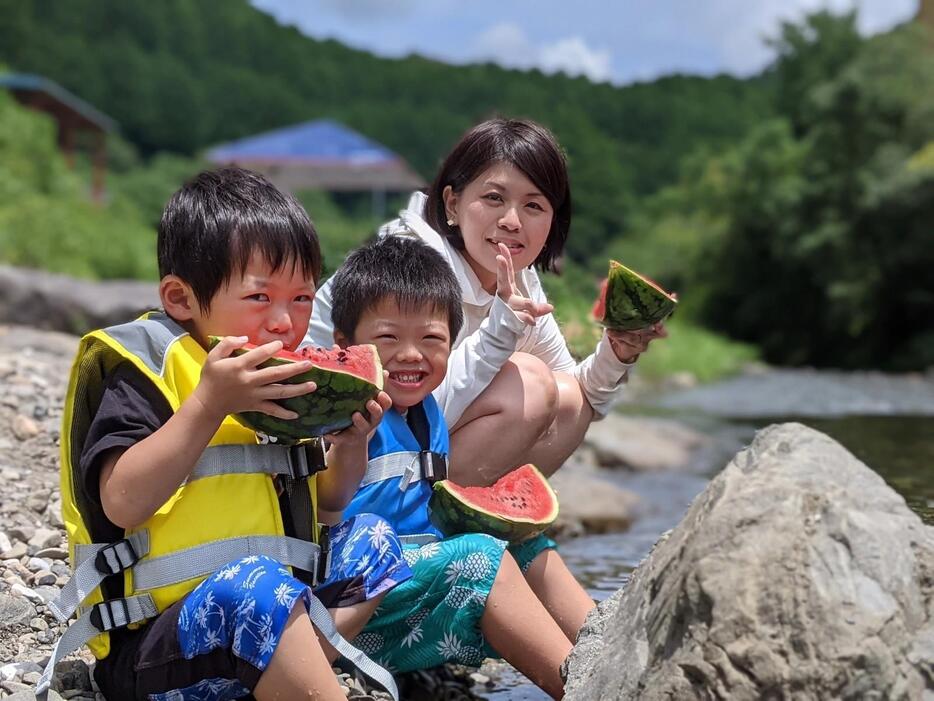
321,618
203,559
418,539
100,618
94,563
412,466
297,461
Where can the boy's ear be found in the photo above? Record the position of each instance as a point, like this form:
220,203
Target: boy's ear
341,340
177,297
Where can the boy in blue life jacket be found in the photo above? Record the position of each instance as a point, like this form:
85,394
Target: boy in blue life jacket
472,596
181,523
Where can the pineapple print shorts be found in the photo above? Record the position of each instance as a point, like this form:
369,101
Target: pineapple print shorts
435,616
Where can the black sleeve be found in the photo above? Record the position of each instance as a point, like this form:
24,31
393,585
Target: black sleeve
131,409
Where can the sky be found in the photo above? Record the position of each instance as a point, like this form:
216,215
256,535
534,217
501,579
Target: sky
617,41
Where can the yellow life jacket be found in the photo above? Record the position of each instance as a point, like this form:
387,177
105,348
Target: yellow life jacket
213,507
228,508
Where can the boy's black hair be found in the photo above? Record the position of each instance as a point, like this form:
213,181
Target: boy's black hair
404,268
212,226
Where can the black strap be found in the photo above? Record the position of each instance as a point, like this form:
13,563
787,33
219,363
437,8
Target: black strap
417,420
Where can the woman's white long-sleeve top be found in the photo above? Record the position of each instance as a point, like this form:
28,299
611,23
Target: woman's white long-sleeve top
491,332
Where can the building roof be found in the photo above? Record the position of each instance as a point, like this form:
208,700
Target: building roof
320,154
49,95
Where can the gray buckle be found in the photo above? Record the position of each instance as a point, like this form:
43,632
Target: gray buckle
434,466
116,557
307,458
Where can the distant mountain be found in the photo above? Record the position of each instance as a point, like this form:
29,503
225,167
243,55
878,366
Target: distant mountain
180,75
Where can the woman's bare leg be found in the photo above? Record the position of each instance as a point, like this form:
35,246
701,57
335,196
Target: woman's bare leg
496,432
517,625
566,432
298,668
559,591
527,414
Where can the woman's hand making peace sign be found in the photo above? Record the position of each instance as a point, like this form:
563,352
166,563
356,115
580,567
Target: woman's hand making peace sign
506,289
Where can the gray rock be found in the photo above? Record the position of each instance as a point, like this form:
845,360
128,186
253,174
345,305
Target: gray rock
798,573
30,695
45,538
586,498
61,303
71,675
15,610
24,427
643,444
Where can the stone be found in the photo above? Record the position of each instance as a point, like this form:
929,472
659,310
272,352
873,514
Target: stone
27,593
642,444
15,610
53,553
43,578
5,543
594,502
45,538
18,549
797,573
72,674
24,427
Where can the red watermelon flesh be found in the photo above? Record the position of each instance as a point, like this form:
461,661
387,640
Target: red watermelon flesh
519,505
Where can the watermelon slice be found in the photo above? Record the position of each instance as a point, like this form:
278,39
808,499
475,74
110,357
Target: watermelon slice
630,301
347,379
520,505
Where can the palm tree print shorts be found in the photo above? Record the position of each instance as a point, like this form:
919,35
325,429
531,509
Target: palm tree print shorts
434,617
215,643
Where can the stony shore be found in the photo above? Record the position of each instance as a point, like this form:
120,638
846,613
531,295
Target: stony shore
34,366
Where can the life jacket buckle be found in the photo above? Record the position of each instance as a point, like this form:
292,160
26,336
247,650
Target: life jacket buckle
307,458
324,555
107,615
434,466
116,557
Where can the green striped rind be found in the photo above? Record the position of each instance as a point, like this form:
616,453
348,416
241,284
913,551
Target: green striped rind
451,514
632,302
329,408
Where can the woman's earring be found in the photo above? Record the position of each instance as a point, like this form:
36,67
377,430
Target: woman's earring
451,221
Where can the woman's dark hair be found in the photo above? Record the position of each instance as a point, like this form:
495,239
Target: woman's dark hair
218,219
398,267
528,146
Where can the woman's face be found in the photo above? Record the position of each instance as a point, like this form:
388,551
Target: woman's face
501,205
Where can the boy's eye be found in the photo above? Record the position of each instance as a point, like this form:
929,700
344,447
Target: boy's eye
304,298
385,337
259,297
436,338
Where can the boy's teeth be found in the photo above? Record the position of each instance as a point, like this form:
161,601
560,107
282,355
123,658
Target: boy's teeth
406,377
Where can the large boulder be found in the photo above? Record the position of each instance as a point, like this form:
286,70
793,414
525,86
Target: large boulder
798,573
61,303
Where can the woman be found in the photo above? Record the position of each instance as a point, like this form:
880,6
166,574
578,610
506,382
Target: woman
513,394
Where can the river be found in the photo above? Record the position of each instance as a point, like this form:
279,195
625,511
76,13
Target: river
885,421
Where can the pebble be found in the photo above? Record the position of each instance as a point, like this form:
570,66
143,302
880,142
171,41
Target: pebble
24,427
55,553
46,538
26,592
5,543
16,552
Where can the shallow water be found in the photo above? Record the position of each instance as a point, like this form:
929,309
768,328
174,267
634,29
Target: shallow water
899,448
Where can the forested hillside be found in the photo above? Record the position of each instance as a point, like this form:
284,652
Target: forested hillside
179,75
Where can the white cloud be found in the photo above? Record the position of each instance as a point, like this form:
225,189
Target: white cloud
507,44
574,57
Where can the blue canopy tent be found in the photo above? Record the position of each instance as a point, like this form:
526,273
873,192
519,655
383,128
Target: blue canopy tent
322,155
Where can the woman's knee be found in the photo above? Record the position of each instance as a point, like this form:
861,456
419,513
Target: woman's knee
536,382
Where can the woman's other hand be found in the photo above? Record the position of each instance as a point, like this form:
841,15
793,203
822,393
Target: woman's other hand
628,345
526,309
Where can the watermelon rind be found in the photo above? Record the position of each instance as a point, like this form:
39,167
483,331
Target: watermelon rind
632,301
329,408
452,513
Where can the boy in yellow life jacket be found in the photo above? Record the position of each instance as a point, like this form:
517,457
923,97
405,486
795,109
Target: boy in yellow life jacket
200,571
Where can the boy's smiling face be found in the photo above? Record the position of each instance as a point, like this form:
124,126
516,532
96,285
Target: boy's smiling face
413,347
262,304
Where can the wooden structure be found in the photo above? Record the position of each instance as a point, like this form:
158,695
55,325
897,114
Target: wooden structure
72,114
322,155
